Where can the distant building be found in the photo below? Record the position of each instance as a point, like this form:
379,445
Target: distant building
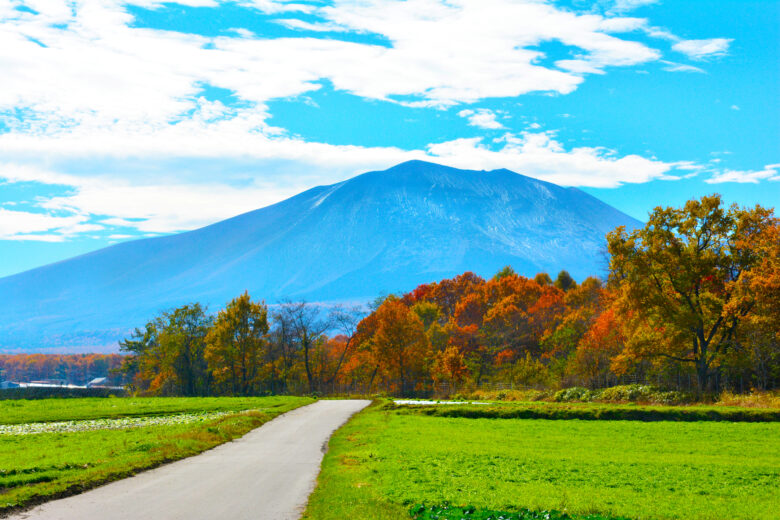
98,382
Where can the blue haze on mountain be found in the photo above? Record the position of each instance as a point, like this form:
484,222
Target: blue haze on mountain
380,232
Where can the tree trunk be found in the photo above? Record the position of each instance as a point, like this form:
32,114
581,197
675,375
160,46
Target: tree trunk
702,374
306,362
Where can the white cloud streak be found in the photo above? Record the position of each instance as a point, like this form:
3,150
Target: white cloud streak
701,49
629,5
671,66
769,173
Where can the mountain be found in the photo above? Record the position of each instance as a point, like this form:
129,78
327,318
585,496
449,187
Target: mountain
380,232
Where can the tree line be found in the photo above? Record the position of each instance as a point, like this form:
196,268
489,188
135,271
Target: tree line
245,349
72,368
691,301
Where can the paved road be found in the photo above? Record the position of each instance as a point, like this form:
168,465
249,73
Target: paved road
267,474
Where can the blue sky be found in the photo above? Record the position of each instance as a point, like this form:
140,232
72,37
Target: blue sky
125,119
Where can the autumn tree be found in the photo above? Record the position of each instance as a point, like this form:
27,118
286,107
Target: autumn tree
598,347
306,324
399,342
449,367
345,320
759,337
236,344
680,274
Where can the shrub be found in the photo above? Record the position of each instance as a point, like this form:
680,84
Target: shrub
506,395
752,400
575,393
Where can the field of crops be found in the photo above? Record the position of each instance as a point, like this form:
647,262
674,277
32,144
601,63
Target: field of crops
100,440
387,461
74,409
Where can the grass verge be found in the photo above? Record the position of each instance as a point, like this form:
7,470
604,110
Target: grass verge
385,461
41,467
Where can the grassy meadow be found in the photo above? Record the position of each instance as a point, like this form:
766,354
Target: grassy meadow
385,461
38,467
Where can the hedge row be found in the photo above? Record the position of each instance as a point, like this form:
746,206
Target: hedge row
40,392
625,393
587,413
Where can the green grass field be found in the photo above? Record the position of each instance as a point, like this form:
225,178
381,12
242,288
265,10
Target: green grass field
38,467
384,461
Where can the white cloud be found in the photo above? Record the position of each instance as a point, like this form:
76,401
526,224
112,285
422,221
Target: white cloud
671,66
95,89
629,5
734,107
622,24
482,118
93,69
539,155
298,24
579,66
700,49
277,6
769,173
18,225
149,205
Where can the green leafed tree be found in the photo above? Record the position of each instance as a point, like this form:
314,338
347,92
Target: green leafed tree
167,356
564,281
543,279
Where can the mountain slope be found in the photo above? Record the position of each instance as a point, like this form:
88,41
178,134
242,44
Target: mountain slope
379,232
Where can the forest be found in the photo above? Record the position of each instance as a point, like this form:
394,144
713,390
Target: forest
691,302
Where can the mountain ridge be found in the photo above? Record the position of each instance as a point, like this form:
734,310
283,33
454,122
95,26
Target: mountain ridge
379,232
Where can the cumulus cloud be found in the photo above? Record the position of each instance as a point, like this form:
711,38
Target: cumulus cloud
540,155
769,173
701,49
482,118
442,53
82,84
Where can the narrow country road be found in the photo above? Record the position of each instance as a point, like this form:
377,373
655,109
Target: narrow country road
267,474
